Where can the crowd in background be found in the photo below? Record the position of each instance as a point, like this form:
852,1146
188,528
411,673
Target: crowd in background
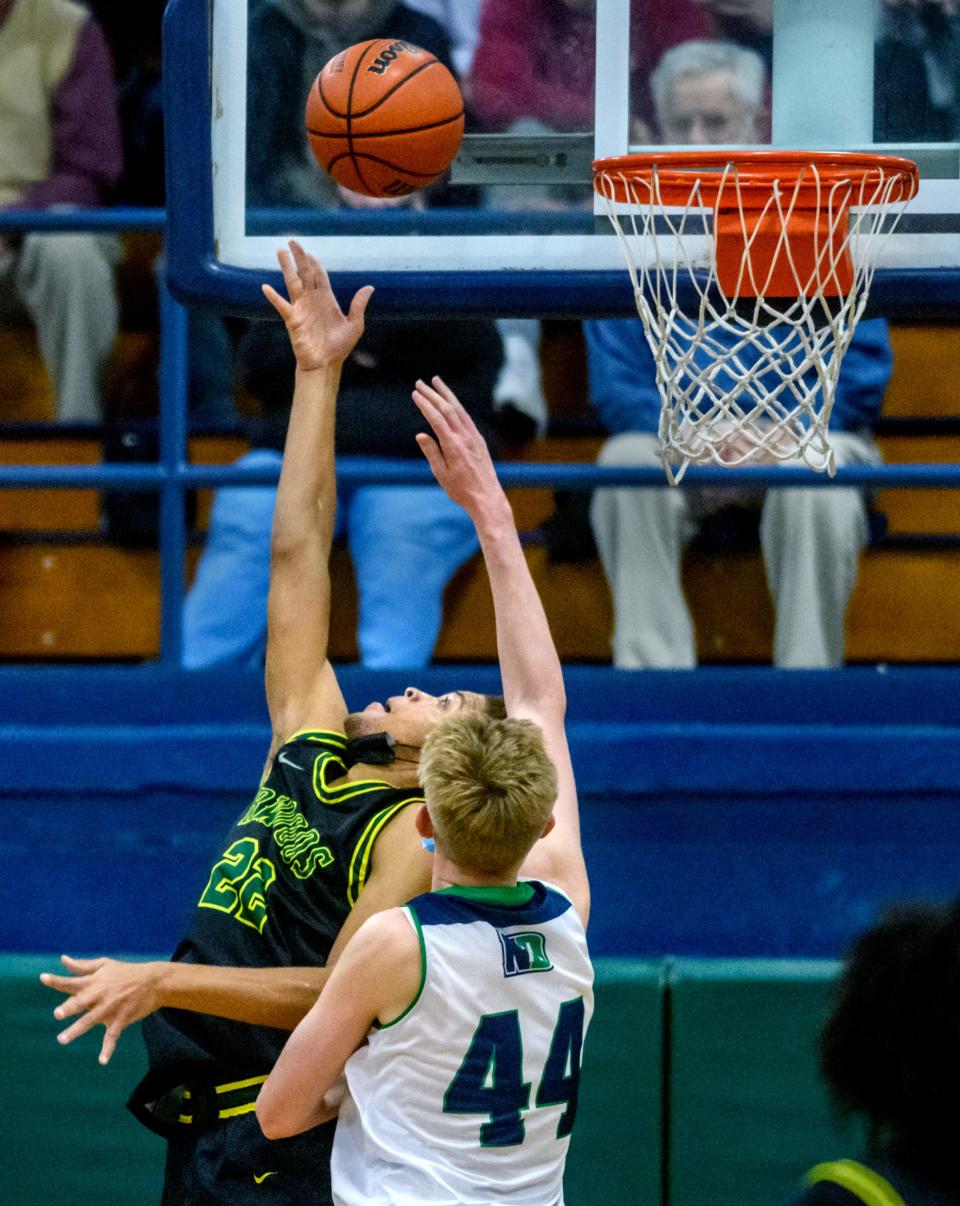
81,123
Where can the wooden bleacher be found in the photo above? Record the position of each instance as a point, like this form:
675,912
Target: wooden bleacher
68,594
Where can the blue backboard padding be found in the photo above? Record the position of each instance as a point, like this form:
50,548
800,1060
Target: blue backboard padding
741,813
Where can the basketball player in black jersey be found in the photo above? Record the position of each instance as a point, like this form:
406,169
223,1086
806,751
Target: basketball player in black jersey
328,839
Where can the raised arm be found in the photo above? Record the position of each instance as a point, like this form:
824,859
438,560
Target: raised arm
301,689
529,666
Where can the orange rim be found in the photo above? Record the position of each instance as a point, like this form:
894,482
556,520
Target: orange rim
752,175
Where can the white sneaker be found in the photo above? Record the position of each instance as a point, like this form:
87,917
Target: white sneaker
518,384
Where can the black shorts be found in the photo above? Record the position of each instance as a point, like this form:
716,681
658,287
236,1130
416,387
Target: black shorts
232,1164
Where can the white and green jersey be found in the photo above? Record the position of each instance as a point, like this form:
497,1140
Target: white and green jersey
469,1097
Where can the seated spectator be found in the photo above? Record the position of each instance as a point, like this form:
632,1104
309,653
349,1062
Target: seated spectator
407,541
290,42
890,1057
59,148
811,539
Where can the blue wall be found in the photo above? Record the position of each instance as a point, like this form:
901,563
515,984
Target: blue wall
726,813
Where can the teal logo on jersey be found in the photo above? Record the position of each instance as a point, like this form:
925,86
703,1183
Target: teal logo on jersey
524,953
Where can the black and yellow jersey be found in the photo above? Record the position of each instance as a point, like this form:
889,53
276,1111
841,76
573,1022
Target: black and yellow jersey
290,870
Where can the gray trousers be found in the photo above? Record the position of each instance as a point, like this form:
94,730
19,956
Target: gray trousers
64,283
811,542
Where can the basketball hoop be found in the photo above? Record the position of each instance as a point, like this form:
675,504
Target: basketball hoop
750,271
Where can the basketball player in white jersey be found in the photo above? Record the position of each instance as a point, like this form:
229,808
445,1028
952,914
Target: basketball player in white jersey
459,1019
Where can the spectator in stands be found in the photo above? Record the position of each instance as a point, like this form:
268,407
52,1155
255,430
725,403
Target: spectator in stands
890,1056
918,71
461,20
917,68
290,42
535,58
533,72
710,92
134,34
407,541
59,148
811,539
748,22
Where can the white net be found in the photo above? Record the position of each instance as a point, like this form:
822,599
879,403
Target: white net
747,375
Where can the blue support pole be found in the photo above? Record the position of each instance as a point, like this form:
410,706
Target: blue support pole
367,471
174,378
110,218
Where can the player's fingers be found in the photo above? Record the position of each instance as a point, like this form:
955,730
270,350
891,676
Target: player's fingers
358,307
280,304
307,267
80,1026
454,408
82,967
431,450
431,411
434,400
445,392
111,1037
291,277
67,984
71,1007
321,276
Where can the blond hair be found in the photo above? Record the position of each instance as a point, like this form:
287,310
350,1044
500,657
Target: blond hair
490,788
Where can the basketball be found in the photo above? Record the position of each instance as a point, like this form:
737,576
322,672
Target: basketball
385,118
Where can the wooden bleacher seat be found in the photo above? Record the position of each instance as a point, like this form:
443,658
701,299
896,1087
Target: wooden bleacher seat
78,597
66,592
26,395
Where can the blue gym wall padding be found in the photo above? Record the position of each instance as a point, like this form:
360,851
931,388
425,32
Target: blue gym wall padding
725,813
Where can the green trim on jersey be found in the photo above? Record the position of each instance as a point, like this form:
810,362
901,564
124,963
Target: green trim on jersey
862,1182
360,862
519,894
377,1024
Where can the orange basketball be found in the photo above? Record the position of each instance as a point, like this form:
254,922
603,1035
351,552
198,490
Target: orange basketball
385,118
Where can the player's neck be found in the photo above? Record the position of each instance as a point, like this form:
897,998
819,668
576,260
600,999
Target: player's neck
400,773
448,875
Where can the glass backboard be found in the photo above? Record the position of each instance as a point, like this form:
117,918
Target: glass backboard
550,86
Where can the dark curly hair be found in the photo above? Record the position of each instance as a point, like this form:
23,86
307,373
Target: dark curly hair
890,1049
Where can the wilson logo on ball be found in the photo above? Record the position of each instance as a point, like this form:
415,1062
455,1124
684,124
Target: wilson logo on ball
388,56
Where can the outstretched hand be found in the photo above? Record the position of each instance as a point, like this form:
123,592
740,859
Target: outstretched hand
321,335
104,992
457,452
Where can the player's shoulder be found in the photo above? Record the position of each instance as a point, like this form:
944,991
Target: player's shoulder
314,758
386,937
